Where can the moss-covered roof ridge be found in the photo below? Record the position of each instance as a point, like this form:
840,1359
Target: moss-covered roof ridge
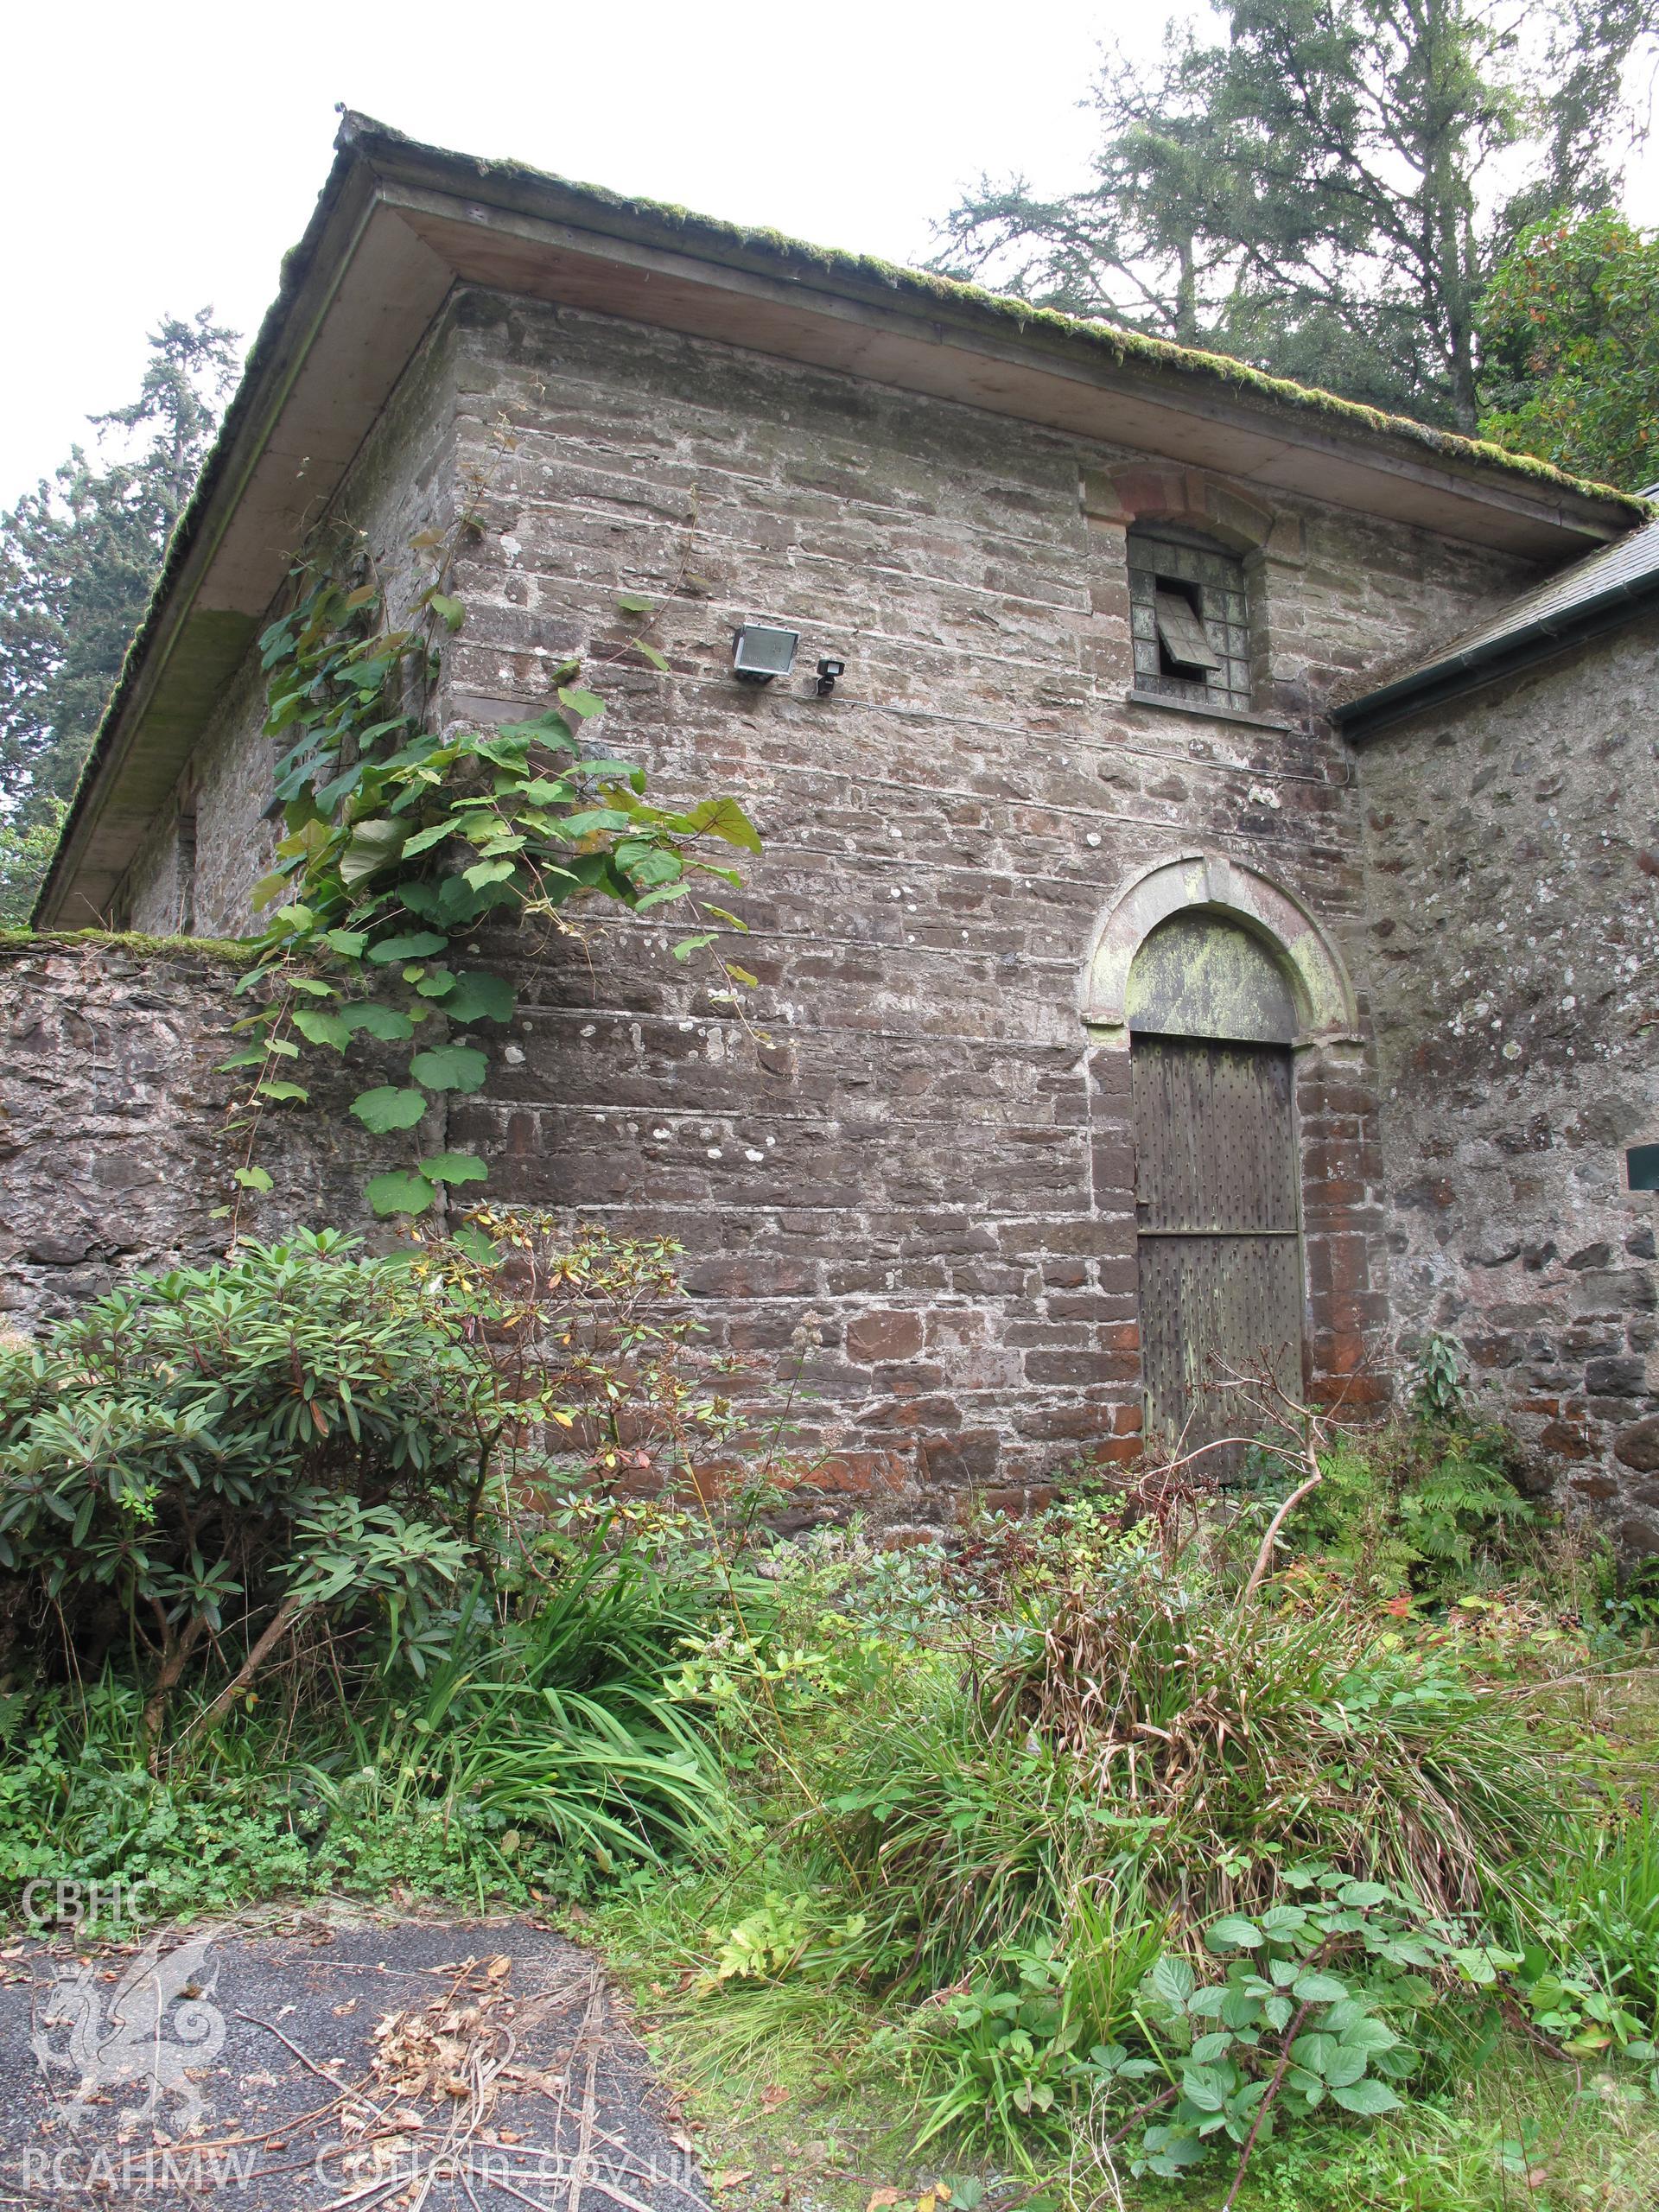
803,261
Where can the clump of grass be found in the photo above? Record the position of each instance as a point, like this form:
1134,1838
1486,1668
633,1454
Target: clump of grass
1241,1734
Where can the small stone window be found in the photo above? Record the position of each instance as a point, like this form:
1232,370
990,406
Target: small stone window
1188,618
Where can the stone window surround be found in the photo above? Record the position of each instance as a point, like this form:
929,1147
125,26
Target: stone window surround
1147,494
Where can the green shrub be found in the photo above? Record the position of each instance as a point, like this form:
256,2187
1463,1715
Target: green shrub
548,1752
305,1447
202,1460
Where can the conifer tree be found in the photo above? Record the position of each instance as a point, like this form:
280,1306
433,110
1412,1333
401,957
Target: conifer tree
79,556
1324,192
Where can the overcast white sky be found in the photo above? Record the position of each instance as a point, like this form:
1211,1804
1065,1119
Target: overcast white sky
159,157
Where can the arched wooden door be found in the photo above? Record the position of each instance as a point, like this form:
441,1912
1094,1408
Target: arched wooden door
1218,1213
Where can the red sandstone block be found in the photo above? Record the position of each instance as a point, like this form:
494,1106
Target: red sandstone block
911,1413
956,1462
1323,1202
1118,1451
1338,1262
1063,1366
1571,1442
1109,1073
884,1336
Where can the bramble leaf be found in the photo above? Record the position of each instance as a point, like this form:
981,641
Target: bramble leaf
1232,1932
1317,1989
1368,2097
1174,1980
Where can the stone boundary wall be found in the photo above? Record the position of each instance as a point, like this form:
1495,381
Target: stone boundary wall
113,1146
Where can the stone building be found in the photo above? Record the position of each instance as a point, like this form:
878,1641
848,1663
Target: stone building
1168,944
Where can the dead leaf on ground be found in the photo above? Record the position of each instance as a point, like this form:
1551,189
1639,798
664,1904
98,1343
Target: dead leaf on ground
771,2098
729,2176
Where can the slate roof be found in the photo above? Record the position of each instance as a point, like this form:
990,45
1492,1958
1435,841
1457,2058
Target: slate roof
1613,585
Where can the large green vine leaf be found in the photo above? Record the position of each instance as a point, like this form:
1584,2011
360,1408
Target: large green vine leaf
399,1191
413,947
450,1067
479,996
390,1024
389,1107
456,1167
318,1027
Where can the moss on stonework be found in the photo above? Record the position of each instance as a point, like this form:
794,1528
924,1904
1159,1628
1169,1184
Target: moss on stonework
231,952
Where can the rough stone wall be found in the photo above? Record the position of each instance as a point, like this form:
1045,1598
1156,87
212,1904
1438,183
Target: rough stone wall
908,1152
922,1155
113,1148
1512,854
403,483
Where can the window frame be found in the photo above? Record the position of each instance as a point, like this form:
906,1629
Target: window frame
1205,571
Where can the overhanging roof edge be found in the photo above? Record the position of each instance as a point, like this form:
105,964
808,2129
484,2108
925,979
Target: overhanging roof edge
370,157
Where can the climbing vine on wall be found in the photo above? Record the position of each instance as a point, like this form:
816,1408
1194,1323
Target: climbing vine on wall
402,843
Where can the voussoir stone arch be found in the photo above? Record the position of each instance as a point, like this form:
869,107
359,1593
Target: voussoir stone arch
1200,882
1150,492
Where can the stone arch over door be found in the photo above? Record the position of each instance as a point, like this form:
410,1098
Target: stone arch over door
1214,883
1231,1126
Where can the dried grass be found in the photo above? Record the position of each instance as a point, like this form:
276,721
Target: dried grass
1254,1738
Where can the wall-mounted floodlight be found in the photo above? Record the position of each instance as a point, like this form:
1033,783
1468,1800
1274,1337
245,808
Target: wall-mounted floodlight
828,672
1642,1166
760,652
